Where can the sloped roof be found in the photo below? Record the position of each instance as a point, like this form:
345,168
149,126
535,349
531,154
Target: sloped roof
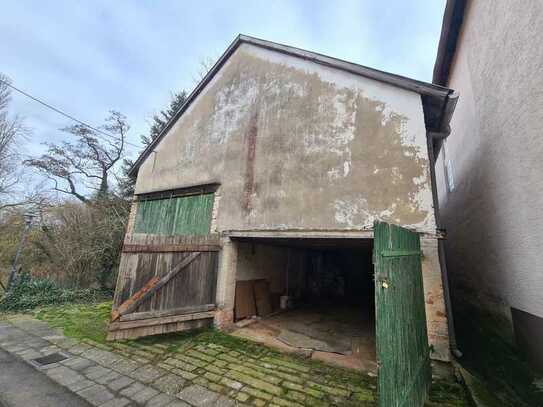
434,97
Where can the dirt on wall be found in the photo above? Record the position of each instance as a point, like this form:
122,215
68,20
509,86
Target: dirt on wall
293,149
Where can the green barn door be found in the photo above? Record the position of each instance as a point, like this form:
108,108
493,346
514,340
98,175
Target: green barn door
402,342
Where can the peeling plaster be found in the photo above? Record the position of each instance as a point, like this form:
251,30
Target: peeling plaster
334,150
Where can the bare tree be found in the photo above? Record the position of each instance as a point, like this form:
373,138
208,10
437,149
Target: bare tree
204,66
76,168
12,132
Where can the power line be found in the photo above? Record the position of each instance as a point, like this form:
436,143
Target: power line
47,105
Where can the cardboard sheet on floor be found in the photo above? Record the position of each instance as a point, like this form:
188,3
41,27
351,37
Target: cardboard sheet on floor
262,297
245,305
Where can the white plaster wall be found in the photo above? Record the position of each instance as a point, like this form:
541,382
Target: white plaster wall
314,167
495,215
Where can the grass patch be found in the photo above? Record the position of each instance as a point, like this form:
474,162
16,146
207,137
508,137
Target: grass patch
448,394
80,321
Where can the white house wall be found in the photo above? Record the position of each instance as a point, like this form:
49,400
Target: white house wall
494,214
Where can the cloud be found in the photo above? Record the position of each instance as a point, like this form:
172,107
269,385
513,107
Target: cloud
89,57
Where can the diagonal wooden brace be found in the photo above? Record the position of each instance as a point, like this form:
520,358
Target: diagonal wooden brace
152,286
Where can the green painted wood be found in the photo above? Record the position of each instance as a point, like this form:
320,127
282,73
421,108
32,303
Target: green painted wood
184,215
402,341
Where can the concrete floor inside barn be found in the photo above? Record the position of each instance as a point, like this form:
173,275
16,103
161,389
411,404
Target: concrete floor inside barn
341,335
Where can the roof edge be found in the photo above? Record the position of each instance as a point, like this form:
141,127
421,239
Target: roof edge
450,31
420,87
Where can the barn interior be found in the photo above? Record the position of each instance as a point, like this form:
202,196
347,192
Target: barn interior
309,296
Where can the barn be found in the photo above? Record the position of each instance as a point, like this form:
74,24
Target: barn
291,200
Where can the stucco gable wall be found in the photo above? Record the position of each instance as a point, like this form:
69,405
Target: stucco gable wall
296,145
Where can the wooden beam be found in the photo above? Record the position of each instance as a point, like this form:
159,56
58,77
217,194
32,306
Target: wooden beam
170,312
135,299
159,321
151,287
165,248
158,329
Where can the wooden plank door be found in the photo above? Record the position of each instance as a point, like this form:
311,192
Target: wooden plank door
168,270
402,341
165,284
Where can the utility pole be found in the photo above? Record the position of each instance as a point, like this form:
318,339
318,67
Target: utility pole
28,225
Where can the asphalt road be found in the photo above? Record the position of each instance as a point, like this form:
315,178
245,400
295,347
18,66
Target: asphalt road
23,386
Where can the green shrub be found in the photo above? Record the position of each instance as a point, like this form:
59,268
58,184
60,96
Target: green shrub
28,293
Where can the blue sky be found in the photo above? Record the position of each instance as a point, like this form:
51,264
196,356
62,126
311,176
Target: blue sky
87,57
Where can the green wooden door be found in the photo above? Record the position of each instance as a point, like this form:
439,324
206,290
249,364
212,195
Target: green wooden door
402,341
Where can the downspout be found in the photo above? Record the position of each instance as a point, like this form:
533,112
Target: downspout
438,137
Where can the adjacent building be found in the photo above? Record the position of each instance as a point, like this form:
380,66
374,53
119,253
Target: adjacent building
490,169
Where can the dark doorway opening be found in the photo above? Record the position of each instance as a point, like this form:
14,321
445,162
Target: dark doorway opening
321,297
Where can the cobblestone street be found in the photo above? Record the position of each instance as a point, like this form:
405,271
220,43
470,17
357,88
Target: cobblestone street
184,372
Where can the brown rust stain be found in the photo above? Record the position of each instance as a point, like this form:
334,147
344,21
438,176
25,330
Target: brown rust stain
250,162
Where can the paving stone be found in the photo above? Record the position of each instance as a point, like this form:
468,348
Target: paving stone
254,372
296,396
102,357
50,349
160,400
200,355
290,365
144,395
125,366
303,389
132,389
228,358
224,401
215,369
198,396
231,383
29,354
117,402
79,349
259,403
191,361
178,403
169,383
335,391
80,384
212,377
158,351
243,397
78,363
257,393
208,350
95,372
286,403
182,364
96,395
217,388
120,383
109,377
146,374
256,383
202,381
220,363
183,374
63,375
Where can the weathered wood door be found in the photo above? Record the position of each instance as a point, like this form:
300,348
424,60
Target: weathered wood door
402,341
168,270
